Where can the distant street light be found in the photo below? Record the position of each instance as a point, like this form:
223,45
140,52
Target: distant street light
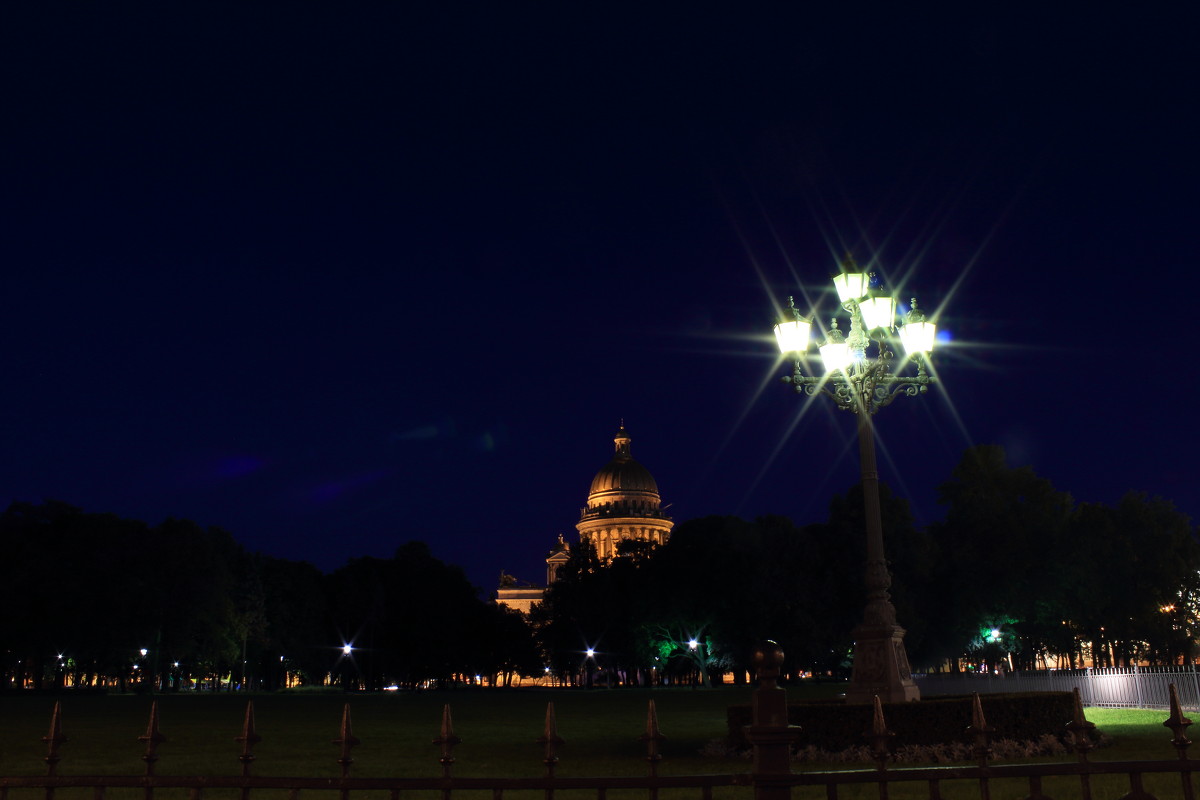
863,382
587,666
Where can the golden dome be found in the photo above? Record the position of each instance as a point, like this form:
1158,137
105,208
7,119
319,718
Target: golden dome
623,505
624,482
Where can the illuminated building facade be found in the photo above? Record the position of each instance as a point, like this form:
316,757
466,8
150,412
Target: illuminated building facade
623,504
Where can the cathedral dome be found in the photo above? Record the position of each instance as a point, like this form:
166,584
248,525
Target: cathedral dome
623,475
623,505
623,480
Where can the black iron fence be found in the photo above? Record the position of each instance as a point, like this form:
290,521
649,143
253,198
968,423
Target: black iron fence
771,776
1113,687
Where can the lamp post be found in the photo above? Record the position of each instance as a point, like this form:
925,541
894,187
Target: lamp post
862,376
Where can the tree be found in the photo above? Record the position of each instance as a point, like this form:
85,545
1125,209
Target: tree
597,607
412,618
1138,567
506,645
1003,549
840,546
297,635
719,581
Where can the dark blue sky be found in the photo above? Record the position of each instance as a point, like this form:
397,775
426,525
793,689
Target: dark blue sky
337,278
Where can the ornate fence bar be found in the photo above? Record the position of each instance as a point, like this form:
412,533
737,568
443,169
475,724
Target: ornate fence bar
1111,687
771,776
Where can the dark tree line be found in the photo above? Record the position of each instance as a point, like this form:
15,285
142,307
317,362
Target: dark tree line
1016,576
84,594
1042,581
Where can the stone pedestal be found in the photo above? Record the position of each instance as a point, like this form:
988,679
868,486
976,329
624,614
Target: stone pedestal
881,666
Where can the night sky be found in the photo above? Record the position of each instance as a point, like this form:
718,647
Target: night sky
336,278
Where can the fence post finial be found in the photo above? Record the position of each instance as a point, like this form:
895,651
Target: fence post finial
346,740
1080,729
152,738
447,740
652,737
551,740
879,736
248,739
979,732
1178,724
54,739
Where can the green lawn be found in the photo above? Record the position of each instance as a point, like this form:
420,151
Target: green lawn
498,729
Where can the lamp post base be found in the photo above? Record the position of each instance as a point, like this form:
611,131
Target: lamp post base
881,666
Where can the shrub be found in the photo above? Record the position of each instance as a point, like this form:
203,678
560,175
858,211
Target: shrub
834,726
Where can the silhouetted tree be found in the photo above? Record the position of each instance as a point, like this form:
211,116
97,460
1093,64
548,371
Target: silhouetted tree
1004,551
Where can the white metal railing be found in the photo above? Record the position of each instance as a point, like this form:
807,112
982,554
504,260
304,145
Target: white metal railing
1111,687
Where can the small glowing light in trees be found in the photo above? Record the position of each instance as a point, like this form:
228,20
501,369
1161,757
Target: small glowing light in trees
693,644
346,649
143,651
994,635
591,653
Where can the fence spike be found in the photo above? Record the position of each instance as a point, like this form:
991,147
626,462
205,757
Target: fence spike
1178,724
249,738
879,736
652,737
1080,729
54,739
346,740
551,740
979,732
152,738
447,740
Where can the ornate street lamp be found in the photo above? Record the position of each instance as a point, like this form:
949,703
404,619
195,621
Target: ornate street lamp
862,376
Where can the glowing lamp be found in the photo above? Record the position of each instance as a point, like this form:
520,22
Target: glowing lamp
793,336
917,334
836,355
878,312
918,337
851,285
835,352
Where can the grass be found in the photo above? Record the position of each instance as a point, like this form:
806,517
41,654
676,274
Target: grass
498,729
